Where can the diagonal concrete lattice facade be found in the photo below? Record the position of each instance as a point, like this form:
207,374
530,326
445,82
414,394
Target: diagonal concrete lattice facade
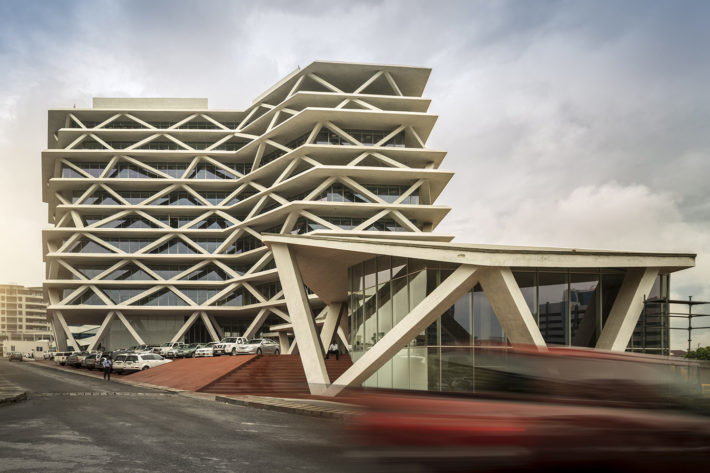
157,206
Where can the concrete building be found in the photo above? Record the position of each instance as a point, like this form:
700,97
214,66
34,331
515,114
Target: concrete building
23,317
157,206
310,216
414,312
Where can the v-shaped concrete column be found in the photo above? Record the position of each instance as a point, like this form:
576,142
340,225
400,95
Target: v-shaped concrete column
627,308
185,327
105,325
510,307
420,317
331,323
130,328
304,327
59,318
208,325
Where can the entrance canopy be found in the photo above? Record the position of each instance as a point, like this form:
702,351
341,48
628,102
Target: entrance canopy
322,263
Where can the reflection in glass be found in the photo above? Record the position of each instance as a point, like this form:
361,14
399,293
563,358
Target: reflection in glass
553,308
583,297
486,328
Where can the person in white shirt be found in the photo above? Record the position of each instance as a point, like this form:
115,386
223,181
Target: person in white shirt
333,348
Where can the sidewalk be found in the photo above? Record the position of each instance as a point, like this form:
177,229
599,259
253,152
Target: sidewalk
10,392
310,407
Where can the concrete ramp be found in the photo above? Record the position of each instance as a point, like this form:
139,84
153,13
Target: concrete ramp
191,374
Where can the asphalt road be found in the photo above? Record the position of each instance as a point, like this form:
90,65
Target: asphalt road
80,424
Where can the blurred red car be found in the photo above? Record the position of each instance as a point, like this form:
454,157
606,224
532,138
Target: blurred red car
558,409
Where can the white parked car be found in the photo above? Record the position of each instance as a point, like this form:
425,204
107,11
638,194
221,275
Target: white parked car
228,345
60,357
166,347
119,362
143,361
258,346
207,350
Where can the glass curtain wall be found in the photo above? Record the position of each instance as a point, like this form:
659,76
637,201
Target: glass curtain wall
569,305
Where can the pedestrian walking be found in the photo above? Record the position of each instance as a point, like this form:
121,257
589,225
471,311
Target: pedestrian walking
333,348
107,363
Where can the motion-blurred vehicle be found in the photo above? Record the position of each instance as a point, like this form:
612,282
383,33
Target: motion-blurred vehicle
258,346
15,356
143,361
560,409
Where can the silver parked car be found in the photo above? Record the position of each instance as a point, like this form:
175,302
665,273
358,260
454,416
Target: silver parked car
143,361
258,346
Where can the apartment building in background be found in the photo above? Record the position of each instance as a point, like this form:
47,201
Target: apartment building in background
23,316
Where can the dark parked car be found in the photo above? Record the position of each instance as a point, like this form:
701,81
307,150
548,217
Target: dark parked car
89,362
76,359
188,351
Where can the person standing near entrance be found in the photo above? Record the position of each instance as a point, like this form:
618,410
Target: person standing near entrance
333,348
107,364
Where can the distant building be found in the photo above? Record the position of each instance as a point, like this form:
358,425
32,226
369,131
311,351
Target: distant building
23,314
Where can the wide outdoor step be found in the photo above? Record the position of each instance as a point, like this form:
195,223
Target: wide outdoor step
273,375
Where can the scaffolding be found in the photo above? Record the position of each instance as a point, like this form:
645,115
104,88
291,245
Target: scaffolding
689,315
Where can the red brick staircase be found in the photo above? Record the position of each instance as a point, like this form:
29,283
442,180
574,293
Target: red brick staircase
270,375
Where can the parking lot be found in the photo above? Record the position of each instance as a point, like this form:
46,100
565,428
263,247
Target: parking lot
82,423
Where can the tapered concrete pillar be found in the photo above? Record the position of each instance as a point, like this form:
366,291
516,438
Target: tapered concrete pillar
103,329
256,324
185,327
283,343
332,320
63,332
627,308
420,317
210,328
130,328
510,307
217,327
304,328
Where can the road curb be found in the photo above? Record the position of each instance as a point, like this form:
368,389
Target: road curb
293,406
114,380
13,399
285,405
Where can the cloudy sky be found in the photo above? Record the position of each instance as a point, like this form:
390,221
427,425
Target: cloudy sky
578,124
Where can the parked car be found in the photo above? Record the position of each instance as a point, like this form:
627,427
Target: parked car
119,361
143,361
207,350
89,361
75,359
174,352
166,347
15,356
228,346
258,346
140,349
188,351
60,357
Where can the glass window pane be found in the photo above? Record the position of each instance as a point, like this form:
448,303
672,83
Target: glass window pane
553,308
583,296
